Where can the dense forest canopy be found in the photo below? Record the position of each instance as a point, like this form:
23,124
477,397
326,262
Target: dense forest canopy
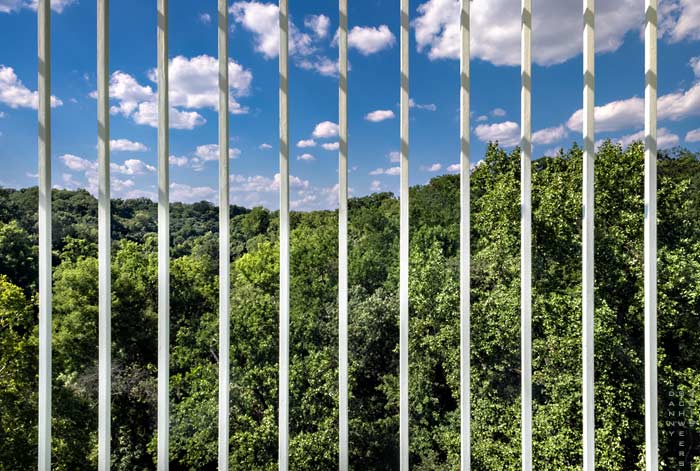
373,275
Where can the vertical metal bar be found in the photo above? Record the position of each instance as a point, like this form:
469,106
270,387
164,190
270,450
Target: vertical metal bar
105,240
343,455
650,243
283,425
224,242
44,82
588,233
526,234
404,243
163,242
465,241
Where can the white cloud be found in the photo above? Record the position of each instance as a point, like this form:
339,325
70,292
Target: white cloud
147,114
262,19
176,161
209,152
549,135
693,136
369,40
376,185
331,145
193,85
190,194
128,92
9,6
265,146
664,139
120,187
322,65
76,163
506,133
680,105
629,113
386,171
325,129
695,65
263,184
679,20
482,118
379,115
437,29
14,94
319,24
427,106
132,167
498,112
205,18
304,143
454,168
125,145
436,167
138,102
306,157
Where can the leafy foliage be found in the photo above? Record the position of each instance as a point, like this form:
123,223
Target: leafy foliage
373,275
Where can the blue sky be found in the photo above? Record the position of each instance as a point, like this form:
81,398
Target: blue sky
374,90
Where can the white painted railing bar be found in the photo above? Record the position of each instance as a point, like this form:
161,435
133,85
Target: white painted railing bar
404,244
526,234
343,445
224,243
104,241
163,242
650,241
283,424
44,151
465,239
588,295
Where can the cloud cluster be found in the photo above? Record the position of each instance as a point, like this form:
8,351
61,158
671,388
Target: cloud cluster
304,143
629,113
88,168
262,19
664,139
305,48
325,129
693,136
379,115
11,6
393,171
193,86
125,145
319,24
427,106
506,133
495,27
14,94
679,20
369,40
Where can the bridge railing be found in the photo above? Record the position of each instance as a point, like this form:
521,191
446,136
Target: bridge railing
588,80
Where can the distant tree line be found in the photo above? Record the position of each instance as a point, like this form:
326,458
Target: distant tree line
373,278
